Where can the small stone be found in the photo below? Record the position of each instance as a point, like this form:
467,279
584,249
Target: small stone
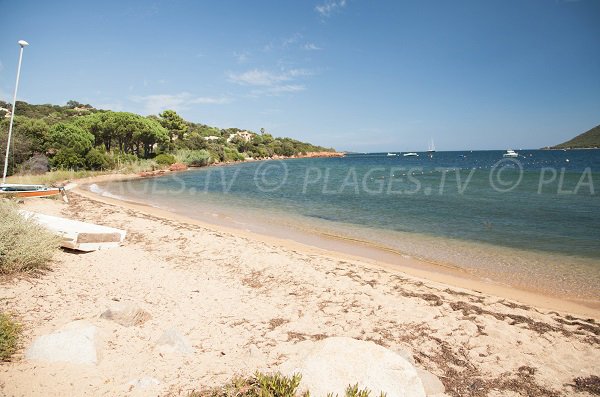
126,315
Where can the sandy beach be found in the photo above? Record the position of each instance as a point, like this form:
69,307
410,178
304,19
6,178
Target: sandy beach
246,302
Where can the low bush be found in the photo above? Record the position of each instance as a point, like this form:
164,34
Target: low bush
165,159
271,385
25,245
98,160
9,336
193,158
259,385
67,158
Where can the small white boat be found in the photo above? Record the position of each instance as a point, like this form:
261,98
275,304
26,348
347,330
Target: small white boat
391,154
411,154
510,153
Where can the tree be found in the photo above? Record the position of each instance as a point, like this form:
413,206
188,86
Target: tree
68,158
74,104
62,136
149,133
35,131
174,124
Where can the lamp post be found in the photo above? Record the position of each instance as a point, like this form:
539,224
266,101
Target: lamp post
22,44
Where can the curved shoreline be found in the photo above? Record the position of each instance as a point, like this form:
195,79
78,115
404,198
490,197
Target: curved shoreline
343,248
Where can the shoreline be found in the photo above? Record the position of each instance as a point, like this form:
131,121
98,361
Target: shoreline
344,248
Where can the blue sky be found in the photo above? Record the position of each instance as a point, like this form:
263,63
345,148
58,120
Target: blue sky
357,75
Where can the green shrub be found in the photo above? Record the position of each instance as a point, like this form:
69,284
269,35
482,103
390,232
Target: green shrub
260,385
97,160
165,159
9,336
271,385
68,158
230,154
25,245
193,158
120,158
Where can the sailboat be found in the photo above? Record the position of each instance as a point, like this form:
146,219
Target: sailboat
431,148
9,190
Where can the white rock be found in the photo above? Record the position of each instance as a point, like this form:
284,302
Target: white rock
173,341
75,343
432,384
144,382
330,365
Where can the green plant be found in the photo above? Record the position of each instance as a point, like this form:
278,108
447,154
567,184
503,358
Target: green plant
97,160
9,336
259,385
25,245
193,158
165,159
68,158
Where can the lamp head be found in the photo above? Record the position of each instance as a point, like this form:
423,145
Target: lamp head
23,43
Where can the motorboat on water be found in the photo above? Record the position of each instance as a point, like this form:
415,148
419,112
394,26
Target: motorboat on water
510,154
391,154
411,154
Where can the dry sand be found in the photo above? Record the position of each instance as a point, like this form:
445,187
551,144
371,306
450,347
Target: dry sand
245,302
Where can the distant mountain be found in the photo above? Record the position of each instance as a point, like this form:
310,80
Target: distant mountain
587,140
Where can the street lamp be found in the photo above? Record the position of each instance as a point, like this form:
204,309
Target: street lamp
22,44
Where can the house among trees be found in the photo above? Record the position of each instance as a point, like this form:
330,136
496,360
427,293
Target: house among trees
246,136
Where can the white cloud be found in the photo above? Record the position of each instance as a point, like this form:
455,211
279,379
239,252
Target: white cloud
279,89
154,104
270,83
330,6
311,47
265,78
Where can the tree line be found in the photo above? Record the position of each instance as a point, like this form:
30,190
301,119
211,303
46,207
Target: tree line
78,136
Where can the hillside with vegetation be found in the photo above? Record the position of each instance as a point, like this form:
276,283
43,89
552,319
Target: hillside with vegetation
588,140
79,137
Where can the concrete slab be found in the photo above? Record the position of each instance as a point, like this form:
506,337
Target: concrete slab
77,235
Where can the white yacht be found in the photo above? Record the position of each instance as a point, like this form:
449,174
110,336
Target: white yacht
510,153
411,154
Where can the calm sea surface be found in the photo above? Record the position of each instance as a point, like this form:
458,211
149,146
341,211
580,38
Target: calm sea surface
532,221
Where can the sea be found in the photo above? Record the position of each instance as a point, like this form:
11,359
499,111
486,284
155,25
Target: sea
531,222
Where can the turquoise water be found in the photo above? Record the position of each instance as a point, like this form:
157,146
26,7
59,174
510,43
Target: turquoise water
531,221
